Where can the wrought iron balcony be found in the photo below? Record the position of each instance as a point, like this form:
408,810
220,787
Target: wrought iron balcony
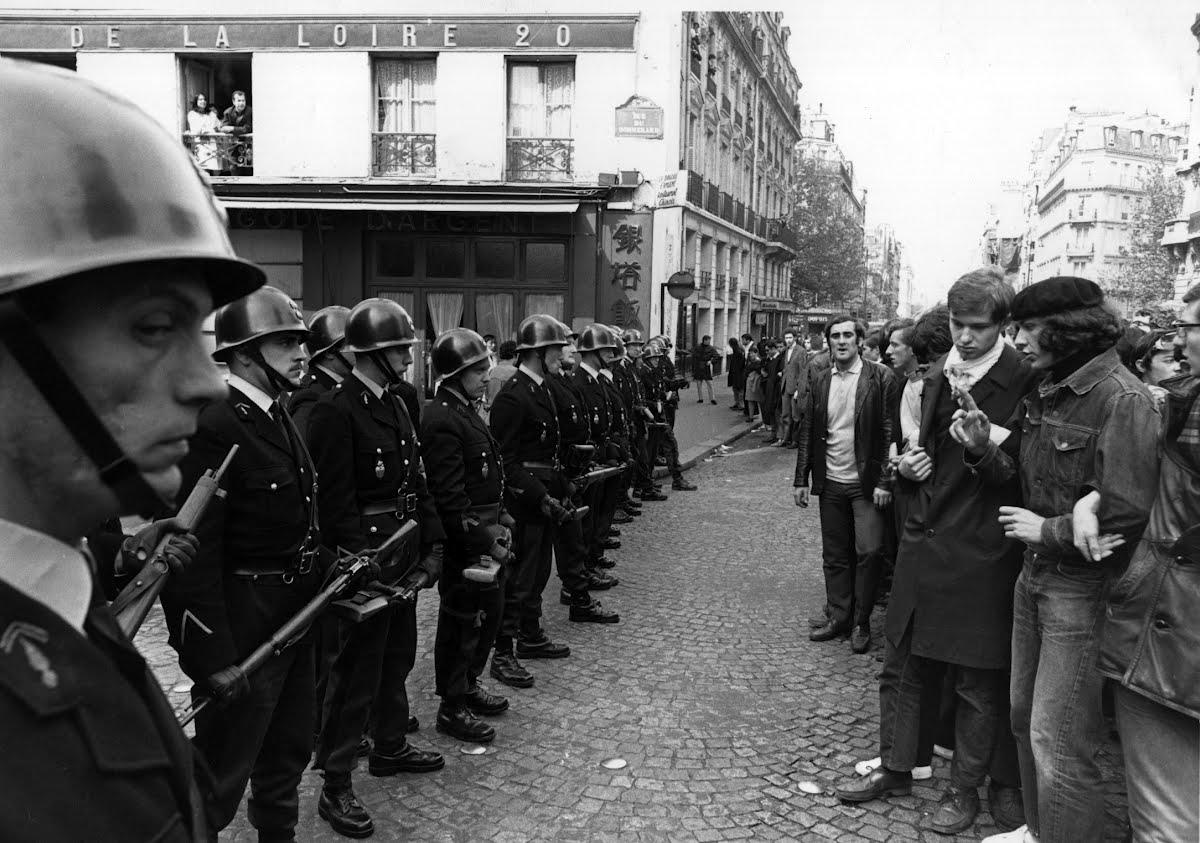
778,232
712,199
705,282
220,153
733,285
695,189
540,159
726,207
403,154
739,214
720,282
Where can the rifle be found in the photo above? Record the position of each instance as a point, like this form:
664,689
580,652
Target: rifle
347,570
598,474
136,599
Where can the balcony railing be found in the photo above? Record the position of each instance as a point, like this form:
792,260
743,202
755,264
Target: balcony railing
726,207
751,221
695,189
778,232
403,154
712,199
223,154
1078,251
739,214
733,285
705,282
536,159
720,282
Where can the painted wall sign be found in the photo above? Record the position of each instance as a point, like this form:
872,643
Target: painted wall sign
207,35
625,280
639,117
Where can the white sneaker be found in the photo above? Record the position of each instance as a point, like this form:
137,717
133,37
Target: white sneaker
942,752
865,768
1017,835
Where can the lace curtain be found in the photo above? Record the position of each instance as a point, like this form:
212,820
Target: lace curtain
494,315
549,304
445,310
405,97
408,302
539,100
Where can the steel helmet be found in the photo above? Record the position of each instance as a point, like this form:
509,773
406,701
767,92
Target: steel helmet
570,333
457,350
268,310
376,324
618,339
91,181
540,331
654,348
326,330
633,337
596,337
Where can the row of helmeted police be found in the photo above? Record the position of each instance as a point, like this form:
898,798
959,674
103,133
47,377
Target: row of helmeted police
338,464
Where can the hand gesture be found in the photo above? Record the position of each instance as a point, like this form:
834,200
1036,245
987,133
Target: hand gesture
916,465
971,427
1085,525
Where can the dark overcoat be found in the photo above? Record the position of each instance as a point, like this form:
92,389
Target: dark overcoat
955,570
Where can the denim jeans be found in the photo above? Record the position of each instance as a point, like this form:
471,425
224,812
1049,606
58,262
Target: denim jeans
852,552
1058,610
1162,776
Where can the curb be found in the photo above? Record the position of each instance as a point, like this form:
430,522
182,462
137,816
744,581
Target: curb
689,458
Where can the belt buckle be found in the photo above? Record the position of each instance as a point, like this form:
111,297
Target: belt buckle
288,577
410,504
307,558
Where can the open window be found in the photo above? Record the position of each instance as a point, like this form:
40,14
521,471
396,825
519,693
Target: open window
217,113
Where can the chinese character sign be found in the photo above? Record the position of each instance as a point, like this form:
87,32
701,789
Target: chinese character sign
625,279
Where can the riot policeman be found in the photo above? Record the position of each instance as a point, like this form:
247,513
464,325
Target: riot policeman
524,421
365,444
103,372
637,375
670,445
256,567
328,361
466,479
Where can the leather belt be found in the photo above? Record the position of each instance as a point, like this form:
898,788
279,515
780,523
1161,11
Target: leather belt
541,466
402,507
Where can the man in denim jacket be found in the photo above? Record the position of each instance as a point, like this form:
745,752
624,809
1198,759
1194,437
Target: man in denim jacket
1088,426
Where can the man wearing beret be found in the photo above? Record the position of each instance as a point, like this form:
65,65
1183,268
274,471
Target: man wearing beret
1088,426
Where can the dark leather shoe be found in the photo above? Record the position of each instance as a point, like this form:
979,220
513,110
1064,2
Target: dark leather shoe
860,639
408,759
592,612
683,486
828,632
505,668
652,496
621,517
541,647
601,562
818,621
610,544
458,721
956,812
614,532
485,704
600,581
1008,811
342,810
878,783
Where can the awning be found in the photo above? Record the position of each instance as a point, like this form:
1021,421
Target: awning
237,202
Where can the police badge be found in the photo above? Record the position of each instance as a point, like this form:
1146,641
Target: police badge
484,470
379,467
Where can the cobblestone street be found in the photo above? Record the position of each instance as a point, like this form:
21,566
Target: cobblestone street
708,688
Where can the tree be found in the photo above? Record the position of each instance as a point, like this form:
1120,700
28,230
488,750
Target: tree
1146,276
829,267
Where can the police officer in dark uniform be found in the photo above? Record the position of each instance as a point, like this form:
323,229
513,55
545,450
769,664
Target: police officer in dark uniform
524,421
364,442
103,371
634,372
648,372
466,479
328,361
670,444
570,550
256,567
627,392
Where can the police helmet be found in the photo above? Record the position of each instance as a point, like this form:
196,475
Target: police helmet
457,350
376,324
327,330
540,331
596,337
266,311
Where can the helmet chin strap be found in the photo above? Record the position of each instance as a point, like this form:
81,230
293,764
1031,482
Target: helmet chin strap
278,381
117,470
389,371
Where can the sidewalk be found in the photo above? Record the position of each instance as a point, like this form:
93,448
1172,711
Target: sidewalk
701,428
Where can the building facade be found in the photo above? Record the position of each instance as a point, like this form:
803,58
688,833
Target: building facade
1003,240
476,168
885,267
1182,236
1087,178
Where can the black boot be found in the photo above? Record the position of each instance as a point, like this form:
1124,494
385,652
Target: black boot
342,810
585,609
485,704
406,759
458,721
506,668
600,581
681,485
537,645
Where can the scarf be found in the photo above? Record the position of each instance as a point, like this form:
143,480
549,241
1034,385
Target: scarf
964,374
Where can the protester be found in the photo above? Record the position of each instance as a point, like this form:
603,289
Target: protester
736,378
791,364
704,359
1088,426
754,379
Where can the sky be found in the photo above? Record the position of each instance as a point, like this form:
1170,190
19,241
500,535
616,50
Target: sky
937,103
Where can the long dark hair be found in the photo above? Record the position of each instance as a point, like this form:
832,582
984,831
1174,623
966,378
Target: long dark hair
1068,331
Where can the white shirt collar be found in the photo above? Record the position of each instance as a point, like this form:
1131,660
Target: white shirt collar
533,376
260,398
332,374
46,570
375,388
595,375
606,373
853,370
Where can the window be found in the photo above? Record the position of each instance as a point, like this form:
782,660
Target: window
540,97
405,138
219,134
445,259
545,262
395,258
1136,139
1110,135
495,259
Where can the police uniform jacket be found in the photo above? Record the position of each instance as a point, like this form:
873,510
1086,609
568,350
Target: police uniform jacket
651,385
618,419
300,402
465,473
596,405
524,421
573,427
368,454
263,526
92,749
